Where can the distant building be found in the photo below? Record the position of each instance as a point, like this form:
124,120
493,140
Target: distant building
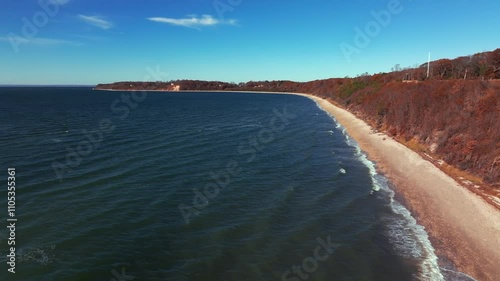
174,87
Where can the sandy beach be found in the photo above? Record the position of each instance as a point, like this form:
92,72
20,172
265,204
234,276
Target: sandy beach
462,227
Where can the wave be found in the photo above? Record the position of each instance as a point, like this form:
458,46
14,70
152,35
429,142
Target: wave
42,255
453,275
409,239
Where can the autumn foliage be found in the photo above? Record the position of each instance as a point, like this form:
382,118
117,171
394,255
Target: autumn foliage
459,121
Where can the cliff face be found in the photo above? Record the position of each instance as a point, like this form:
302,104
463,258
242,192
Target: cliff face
458,121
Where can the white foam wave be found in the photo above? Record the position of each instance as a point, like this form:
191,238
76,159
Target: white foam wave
43,256
408,237
451,275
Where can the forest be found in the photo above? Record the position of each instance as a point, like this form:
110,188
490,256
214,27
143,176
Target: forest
452,115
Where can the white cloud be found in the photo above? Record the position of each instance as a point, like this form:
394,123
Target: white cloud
193,21
95,21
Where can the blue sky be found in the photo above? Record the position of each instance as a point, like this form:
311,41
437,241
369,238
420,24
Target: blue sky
90,41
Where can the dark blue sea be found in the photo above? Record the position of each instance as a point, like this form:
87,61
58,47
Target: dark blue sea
195,186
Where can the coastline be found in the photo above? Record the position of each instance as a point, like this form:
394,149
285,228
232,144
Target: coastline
462,227
197,91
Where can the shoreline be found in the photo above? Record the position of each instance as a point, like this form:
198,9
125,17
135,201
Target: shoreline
198,91
462,227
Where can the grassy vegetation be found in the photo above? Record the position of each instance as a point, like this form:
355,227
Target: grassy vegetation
415,145
350,88
456,173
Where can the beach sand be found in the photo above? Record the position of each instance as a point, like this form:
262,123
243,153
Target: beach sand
462,227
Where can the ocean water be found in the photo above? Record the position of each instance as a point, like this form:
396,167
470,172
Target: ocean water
196,186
